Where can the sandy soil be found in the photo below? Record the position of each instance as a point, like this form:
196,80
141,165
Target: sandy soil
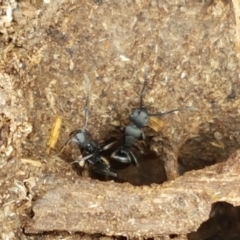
49,48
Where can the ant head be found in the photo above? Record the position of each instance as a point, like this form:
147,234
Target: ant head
79,136
139,117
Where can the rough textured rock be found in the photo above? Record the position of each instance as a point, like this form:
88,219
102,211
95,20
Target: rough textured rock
46,49
177,207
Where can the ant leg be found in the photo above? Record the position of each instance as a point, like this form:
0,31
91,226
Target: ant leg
103,169
134,159
83,159
106,147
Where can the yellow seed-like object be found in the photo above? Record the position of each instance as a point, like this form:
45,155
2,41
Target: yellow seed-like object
156,124
54,134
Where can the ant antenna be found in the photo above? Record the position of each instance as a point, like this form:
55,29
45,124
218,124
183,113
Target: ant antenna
87,99
144,86
86,113
175,110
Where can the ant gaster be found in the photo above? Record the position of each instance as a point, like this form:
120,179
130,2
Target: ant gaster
91,149
133,132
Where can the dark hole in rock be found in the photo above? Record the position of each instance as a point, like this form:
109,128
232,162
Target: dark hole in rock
150,169
30,213
214,144
223,224
172,236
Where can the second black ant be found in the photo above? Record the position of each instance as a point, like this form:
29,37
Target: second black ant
139,117
91,149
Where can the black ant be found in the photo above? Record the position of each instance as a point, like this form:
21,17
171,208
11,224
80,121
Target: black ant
139,117
91,149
